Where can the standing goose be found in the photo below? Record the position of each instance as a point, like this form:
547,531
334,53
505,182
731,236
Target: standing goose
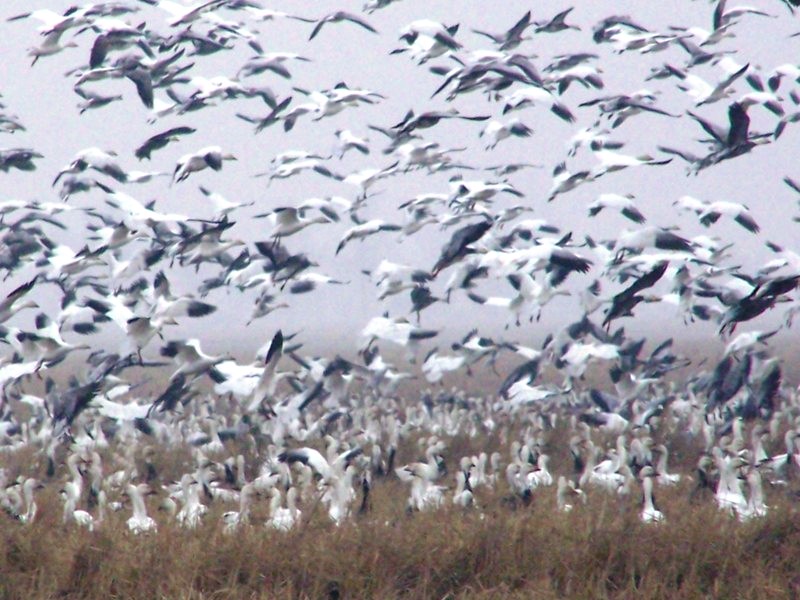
139,522
283,519
649,514
234,519
565,489
192,510
463,495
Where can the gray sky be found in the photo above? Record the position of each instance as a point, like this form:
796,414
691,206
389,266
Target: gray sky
43,99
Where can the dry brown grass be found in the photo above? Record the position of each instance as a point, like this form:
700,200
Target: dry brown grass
600,550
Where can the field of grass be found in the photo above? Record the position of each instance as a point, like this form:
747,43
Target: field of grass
499,548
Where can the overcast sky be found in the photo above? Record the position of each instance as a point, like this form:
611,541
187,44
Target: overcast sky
43,99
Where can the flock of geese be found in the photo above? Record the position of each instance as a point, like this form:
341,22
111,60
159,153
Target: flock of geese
106,285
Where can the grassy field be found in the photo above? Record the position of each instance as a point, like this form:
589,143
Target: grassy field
497,549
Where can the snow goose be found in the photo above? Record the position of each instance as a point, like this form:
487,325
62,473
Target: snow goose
556,24
423,474
30,507
395,330
190,358
442,34
160,140
81,517
287,220
738,212
361,231
283,519
624,204
180,14
192,511
50,45
496,131
169,307
566,489
663,477
512,37
703,92
346,140
340,16
756,507
649,514
540,476
210,156
340,494
97,159
314,459
564,181
139,522
15,301
729,494
463,495
528,96
234,519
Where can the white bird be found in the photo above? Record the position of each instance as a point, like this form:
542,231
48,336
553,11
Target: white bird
312,458
139,522
611,161
29,502
366,178
210,156
346,140
756,507
288,220
564,181
430,29
338,17
496,131
663,476
82,517
565,489
738,212
280,518
624,204
649,514
189,356
729,494
50,46
530,294
361,231
540,476
234,519
703,92
651,237
184,15
472,192
530,95
463,495
397,331
97,159
16,301
139,212
285,170
53,21
222,206
392,278
436,365
192,511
